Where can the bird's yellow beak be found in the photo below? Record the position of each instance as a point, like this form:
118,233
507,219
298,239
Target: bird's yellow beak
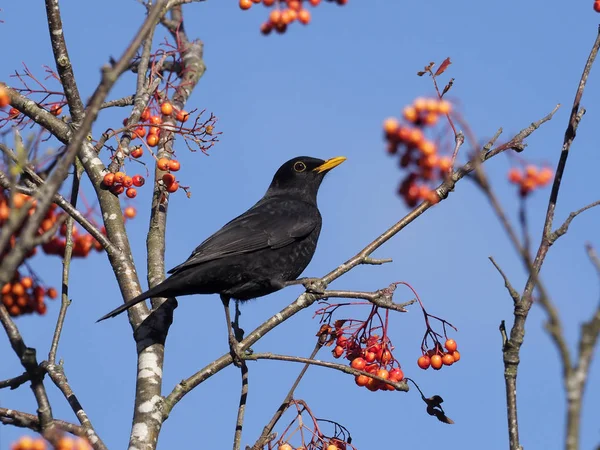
330,164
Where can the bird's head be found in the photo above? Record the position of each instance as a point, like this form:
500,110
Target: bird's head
302,176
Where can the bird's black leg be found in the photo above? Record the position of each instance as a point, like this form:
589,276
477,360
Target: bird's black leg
234,345
314,285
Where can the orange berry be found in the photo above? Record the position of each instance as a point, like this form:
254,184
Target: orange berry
130,212
448,359
154,130
140,132
383,373
131,192
288,16
39,444
436,362
145,115
18,289
109,179
27,282
444,107
338,351
314,2
4,98
173,187
275,16
391,125
168,179
6,289
136,152
445,163
285,446
515,176
295,5
410,114
304,16
174,165
51,293
245,4
127,181
415,136
361,380
451,345
430,119
166,108
55,110
182,115
268,2
545,175
155,120
420,104
119,177
152,140
428,148
163,164
531,171
456,355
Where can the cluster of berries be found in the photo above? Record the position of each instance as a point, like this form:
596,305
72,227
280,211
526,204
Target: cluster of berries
437,357
65,443
25,295
530,178
418,154
372,355
334,444
285,12
153,122
118,183
82,244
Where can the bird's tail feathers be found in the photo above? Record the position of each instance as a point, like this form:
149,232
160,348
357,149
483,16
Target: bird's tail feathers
154,292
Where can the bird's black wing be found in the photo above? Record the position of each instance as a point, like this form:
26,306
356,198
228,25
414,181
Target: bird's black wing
269,224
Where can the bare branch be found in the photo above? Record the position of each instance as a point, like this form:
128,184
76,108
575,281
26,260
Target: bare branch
511,290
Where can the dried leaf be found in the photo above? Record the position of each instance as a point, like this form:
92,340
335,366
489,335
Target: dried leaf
443,67
448,86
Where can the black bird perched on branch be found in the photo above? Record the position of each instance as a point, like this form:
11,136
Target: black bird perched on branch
259,252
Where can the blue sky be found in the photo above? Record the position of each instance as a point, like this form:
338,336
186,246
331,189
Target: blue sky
324,90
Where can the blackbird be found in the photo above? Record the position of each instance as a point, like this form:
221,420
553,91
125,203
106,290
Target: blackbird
259,252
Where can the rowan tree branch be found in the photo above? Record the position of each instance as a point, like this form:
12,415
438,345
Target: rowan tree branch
63,62
24,420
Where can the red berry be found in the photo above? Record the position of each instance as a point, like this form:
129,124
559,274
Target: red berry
138,180
456,355
174,165
131,192
140,132
127,181
130,211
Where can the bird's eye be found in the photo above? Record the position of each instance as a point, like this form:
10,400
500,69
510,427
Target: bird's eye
299,166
